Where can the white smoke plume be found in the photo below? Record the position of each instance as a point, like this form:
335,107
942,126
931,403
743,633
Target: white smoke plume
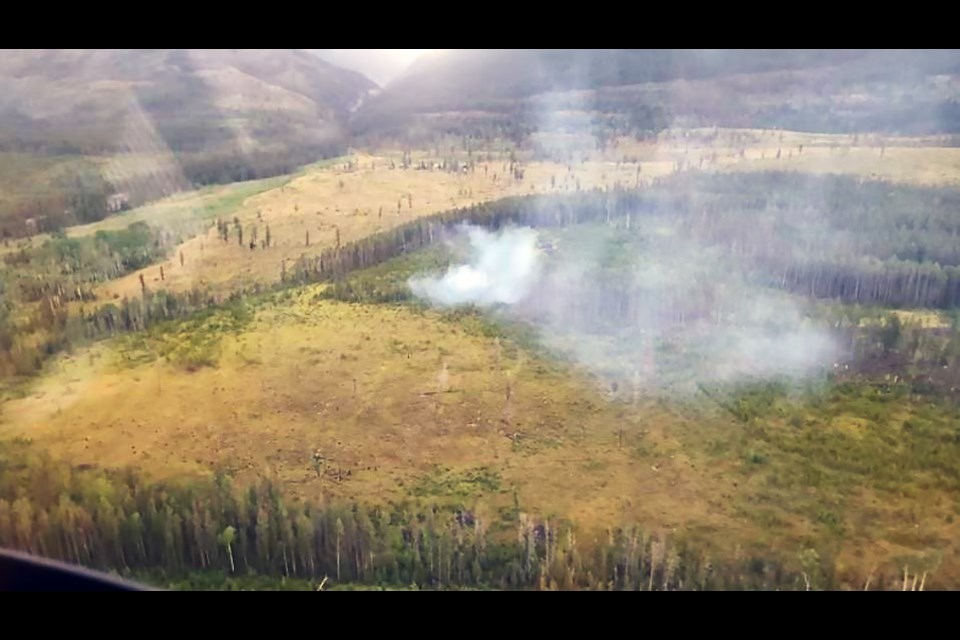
502,268
680,314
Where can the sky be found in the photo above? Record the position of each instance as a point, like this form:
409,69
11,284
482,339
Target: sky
380,65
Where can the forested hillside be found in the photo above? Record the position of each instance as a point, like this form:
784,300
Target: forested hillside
77,126
496,91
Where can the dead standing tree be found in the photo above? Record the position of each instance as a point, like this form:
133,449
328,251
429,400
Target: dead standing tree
507,417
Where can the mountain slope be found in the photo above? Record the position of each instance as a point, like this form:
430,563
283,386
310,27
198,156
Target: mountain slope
502,81
453,78
151,121
53,85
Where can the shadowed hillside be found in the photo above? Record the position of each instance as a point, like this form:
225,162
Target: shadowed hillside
807,89
79,125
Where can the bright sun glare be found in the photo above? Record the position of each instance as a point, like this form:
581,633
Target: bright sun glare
406,55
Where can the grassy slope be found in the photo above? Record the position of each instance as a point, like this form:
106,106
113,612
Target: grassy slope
180,213
849,472
181,216
285,387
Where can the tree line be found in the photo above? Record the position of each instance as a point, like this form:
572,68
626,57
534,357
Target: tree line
828,237
119,521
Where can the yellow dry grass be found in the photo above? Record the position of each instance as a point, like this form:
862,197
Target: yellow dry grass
362,385
928,319
325,203
909,160
925,318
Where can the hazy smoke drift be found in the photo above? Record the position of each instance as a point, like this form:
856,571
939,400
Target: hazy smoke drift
674,314
502,269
